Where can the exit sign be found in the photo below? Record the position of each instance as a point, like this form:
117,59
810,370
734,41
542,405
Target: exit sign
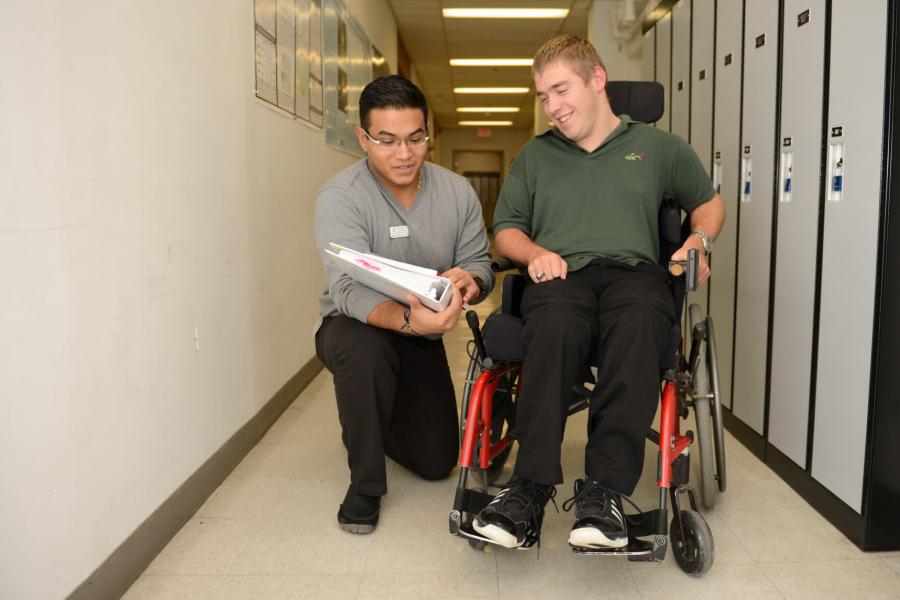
484,132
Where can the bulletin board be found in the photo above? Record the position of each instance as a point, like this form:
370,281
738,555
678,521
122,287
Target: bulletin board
348,60
289,57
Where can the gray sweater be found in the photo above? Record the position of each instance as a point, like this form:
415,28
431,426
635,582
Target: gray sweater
445,227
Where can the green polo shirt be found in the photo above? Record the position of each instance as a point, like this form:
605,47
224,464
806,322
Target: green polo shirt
585,205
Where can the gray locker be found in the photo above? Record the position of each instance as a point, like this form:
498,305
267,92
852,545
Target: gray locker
648,55
725,171
702,79
755,235
681,69
701,95
850,246
797,235
664,67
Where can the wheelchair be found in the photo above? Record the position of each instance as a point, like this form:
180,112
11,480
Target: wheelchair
689,380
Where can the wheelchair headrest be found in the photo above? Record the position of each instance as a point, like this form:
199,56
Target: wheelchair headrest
641,100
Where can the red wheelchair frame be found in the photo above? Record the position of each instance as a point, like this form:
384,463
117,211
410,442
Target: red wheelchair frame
482,446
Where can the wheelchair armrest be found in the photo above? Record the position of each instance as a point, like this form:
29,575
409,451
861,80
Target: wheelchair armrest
498,265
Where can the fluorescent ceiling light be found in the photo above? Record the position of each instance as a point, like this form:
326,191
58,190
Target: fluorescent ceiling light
506,13
488,109
491,62
485,123
491,90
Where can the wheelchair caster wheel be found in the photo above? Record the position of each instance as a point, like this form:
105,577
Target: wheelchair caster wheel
694,550
476,545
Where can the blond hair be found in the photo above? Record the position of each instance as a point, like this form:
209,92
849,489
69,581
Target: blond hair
578,53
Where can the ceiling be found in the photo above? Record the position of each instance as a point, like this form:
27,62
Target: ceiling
432,41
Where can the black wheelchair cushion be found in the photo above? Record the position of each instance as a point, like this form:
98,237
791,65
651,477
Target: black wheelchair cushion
503,337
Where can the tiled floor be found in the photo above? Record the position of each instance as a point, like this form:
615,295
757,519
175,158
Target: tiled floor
270,532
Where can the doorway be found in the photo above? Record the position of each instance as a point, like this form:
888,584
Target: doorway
483,170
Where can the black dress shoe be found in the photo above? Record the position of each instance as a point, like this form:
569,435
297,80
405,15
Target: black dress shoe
359,513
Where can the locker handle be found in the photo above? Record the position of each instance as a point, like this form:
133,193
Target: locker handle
746,176
787,171
717,173
835,170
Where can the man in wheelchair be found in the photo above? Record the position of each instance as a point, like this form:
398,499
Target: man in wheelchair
579,209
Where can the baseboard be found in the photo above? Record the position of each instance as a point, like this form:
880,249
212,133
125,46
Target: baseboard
848,521
113,578
745,434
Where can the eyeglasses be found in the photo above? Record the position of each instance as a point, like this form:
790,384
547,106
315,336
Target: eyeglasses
417,140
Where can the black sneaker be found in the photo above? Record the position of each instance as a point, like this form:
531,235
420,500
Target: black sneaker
514,516
359,513
599,517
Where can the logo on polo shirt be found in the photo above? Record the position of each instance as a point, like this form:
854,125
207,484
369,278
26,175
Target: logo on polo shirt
635,156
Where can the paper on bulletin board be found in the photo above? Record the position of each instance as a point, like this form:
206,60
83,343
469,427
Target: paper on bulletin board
266,67
286,44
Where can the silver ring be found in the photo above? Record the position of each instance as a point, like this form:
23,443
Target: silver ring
540,275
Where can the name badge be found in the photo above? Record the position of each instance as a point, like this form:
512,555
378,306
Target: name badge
399,231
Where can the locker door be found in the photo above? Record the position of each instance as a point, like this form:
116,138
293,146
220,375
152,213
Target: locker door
797,235
849,245
701,104
755,235
702,79
726,169
648,56
681,69
664,67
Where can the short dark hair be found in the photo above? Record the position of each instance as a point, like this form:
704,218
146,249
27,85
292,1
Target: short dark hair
390,91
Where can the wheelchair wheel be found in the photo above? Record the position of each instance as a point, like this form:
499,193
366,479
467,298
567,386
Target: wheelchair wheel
700,392
718,423
694,549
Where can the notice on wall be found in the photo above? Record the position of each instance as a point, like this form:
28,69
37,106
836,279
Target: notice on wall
266,67
316,100
289,56
348,68
286,43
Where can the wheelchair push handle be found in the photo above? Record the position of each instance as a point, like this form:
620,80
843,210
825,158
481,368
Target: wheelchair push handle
689,269
475,326
500,264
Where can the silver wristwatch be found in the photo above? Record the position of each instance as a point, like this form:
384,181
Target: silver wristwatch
707,243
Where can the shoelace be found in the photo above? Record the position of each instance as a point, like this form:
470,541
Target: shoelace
524,495
599,496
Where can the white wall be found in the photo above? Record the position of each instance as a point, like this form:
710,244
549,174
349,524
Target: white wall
144,193
621,56
507,140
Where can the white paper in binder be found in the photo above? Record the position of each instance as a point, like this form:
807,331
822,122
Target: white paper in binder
393,278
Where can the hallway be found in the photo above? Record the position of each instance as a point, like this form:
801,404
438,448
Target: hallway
269,532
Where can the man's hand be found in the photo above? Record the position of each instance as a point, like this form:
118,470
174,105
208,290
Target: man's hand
423,320
693,241
544,265
464,282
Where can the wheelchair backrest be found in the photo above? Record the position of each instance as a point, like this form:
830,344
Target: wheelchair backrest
643,101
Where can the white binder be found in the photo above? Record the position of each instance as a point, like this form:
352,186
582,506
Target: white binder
393,278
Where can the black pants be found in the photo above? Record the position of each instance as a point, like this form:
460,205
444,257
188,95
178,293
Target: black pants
394,397
623,313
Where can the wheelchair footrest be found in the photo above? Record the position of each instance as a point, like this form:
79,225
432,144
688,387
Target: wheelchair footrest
637,550
465,530
471,501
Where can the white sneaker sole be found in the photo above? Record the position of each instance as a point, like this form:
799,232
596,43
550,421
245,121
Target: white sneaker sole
590,537
496,534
